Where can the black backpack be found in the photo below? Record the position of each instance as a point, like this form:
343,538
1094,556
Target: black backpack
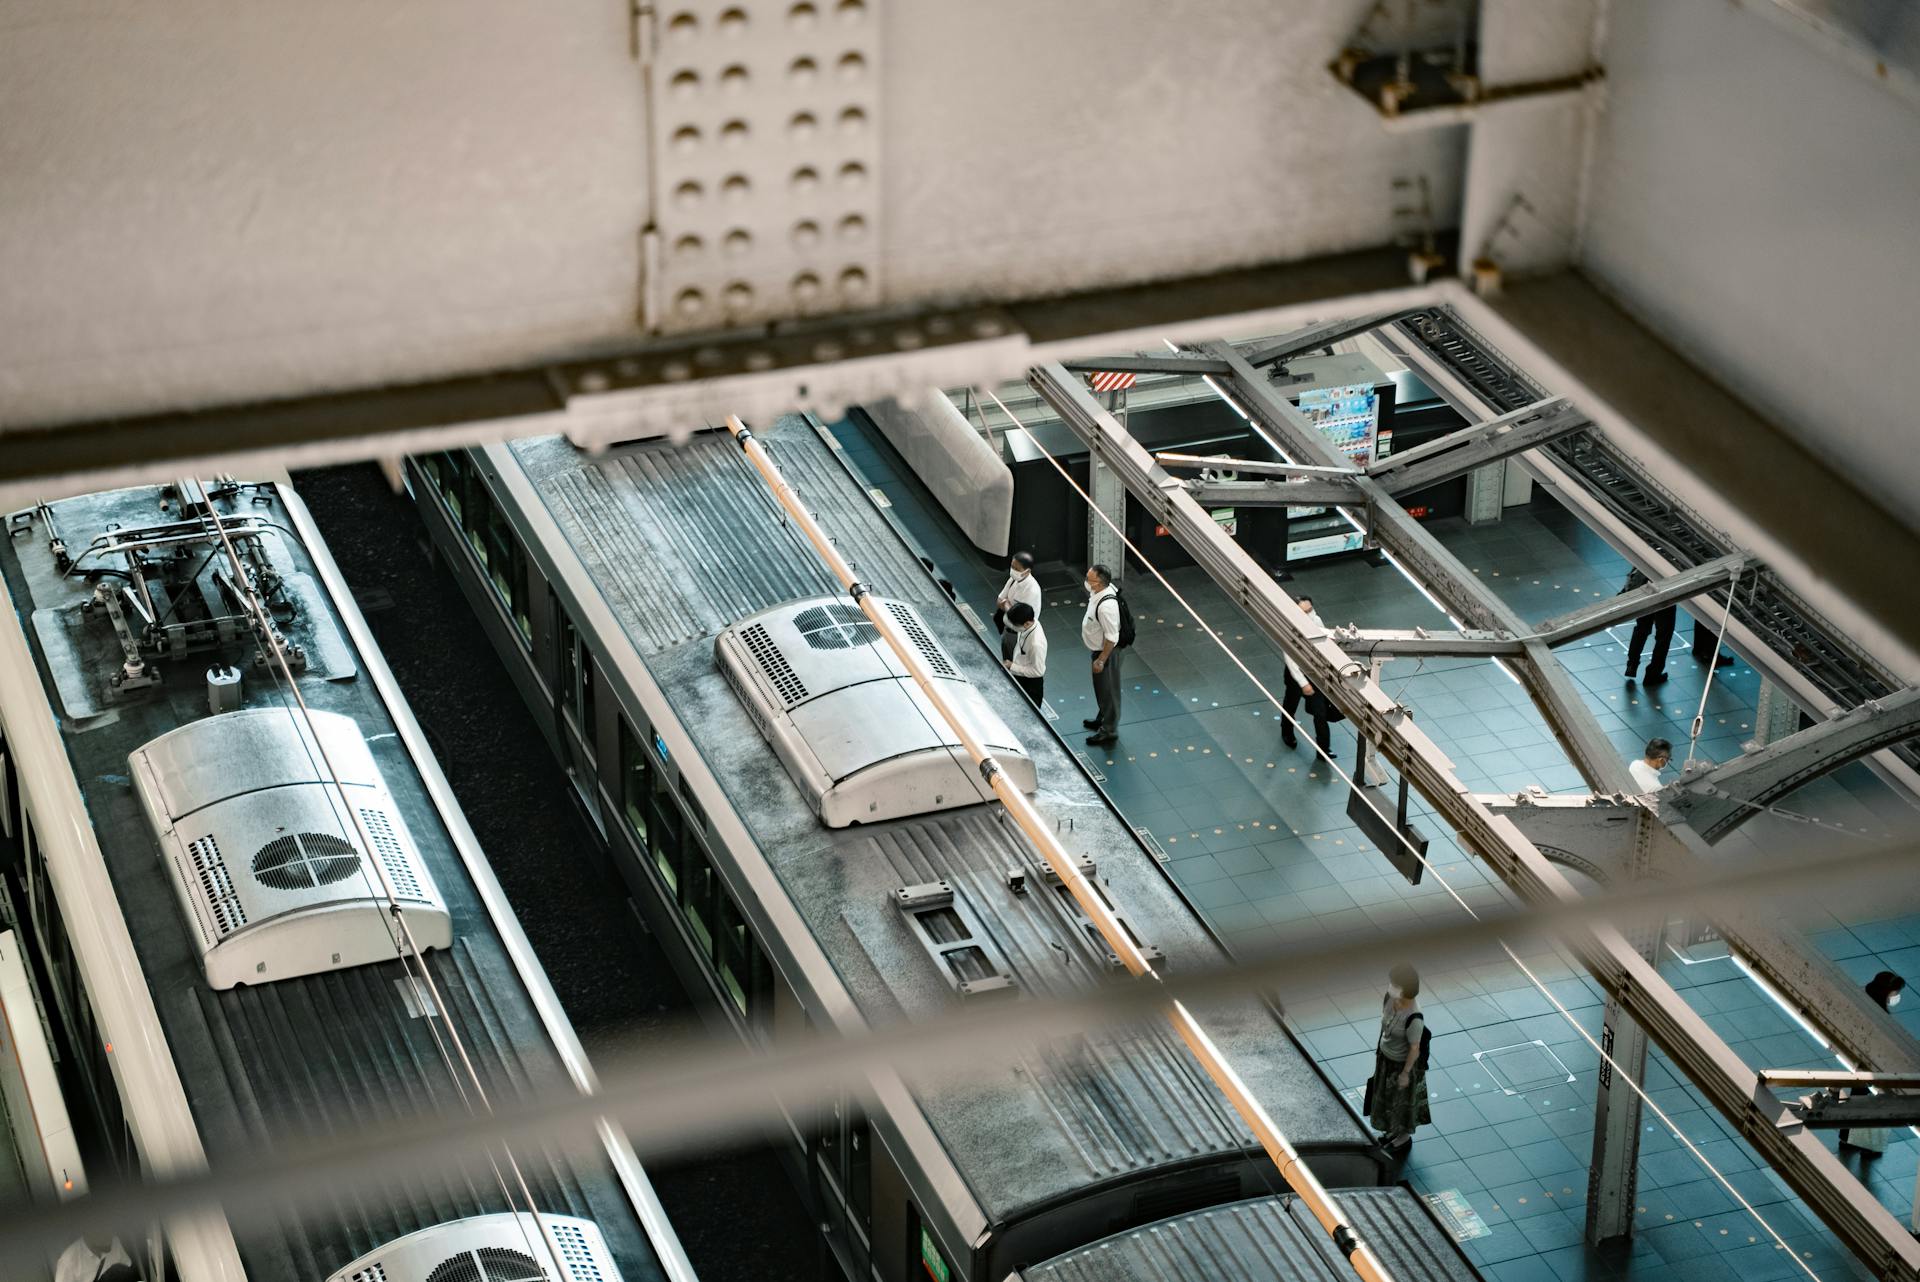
1126,621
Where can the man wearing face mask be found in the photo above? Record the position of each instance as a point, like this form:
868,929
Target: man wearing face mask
1100,632
1885,988
1020,586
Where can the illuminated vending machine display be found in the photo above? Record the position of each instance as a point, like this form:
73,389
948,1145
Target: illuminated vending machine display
1349,416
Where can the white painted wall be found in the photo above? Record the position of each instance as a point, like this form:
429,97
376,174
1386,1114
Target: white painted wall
1036,148
1756,201
203,202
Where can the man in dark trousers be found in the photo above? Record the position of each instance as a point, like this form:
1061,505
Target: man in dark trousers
1293,691
1100,633
1660,625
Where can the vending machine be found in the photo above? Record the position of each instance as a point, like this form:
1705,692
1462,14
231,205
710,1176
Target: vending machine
1349,399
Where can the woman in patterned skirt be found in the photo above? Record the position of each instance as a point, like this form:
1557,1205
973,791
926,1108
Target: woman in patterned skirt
1399,1082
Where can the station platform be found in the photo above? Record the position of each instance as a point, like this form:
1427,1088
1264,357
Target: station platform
1256,835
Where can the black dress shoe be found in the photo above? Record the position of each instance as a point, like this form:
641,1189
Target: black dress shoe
1631,671
1102,740
1092,723
1653,678
1289,741
1718,661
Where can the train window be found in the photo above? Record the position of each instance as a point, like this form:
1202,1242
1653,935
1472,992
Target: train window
506,566
924,1257
447,471
477,516
735,959
663,830
522,603
694,810
587,723
635,781
699,888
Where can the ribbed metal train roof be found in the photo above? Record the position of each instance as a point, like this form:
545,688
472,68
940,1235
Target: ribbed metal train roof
1124,1103
322,1055
1270,1239
683,558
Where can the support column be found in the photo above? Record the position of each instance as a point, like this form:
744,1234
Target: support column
1109,494
1486,493
1777,716
1613,1174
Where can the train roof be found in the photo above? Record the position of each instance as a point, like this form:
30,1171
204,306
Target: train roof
323,1054
683,540
1267,1239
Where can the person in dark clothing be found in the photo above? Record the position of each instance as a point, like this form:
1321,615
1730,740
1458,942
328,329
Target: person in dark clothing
1660,625
1706,643
1397,1100
1885,988
1295,688
1028,662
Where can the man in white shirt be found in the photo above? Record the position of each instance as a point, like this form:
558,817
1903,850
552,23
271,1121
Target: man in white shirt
1100,632
1646,771
1020,586
95,1257
1296,686
1028,663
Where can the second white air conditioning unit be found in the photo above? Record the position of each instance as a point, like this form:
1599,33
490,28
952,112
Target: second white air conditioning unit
278,865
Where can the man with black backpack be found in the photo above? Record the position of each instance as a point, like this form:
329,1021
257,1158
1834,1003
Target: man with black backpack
1107,629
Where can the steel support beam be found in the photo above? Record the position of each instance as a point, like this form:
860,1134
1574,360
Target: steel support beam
1250,466
1313,337
1717,799
1671,590
1730,1085
1306,491
1860,1110
1553,691
1419,643
1471,448
1592,835
1823,994
1838,1077
1185,363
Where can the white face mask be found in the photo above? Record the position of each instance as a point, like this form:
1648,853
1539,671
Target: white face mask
1016,572
1091,587
1398,995
1893,999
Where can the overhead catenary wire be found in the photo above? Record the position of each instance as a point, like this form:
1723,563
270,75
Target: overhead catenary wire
662,1094
1292,1168
411,956
1425,862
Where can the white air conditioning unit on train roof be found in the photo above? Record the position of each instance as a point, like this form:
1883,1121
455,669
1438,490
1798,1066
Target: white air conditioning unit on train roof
265,857
855,732
490,1248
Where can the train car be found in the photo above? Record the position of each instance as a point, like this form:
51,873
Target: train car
250,913
806,844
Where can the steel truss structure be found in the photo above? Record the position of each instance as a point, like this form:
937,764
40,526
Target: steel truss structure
1640,999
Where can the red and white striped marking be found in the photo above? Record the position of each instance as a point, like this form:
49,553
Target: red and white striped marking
1108,381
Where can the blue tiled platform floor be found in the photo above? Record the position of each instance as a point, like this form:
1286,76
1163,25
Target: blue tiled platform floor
1257,837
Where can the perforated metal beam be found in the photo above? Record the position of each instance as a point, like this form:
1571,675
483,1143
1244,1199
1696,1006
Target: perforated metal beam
1307,491
1313,337
1731,1086
1671,590
1717,799
1461,452
1412,643
1185,363
1824,994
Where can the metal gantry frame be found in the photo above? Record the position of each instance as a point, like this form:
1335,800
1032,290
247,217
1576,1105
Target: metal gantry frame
1622,967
